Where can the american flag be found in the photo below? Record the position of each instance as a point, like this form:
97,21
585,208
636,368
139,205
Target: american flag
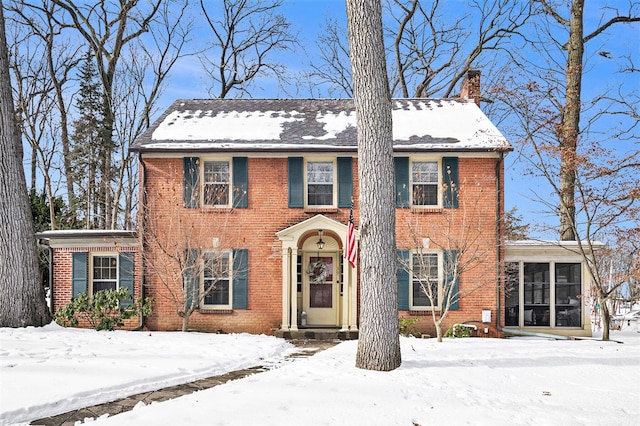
350,252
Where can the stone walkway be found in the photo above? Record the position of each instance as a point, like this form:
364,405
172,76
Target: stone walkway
307,348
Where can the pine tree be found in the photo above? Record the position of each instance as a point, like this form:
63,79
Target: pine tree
87,150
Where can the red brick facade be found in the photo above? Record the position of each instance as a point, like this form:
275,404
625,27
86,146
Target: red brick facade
255,227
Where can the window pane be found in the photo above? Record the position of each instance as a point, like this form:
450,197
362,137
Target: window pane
537,289
216,278
320,183
216,183
425,183
105,273
568,294
425,279
512,294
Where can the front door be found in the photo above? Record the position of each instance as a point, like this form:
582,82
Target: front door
320,290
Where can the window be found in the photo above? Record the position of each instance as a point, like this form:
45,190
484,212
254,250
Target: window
424,180
424,280
217,279
512,294
105,273
568,285
549,294
216,183
537,293
320,181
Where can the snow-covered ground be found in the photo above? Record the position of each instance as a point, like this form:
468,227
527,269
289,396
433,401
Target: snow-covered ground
518,381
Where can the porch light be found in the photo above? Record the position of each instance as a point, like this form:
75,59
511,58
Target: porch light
320,243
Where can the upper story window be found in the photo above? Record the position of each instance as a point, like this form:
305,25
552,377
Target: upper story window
213,182
217,280
320,183
216,183
105,273
424,181
424,280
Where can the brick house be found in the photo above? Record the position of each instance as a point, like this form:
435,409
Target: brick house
245,211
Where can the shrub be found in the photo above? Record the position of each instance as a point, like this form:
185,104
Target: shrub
406,327
104,311
459,330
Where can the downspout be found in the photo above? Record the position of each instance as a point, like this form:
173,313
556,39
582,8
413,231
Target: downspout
499,246
141,227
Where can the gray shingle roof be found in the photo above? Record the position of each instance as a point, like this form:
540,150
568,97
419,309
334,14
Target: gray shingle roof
211,125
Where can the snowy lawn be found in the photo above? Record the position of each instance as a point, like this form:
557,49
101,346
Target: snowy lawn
518,381
52,370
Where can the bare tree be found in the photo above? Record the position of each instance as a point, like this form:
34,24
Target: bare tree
429,48
460,236
246,38
378,342
22,301
433,51
134,45
192,268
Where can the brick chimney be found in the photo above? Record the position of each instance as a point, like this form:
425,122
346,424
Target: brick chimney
471,86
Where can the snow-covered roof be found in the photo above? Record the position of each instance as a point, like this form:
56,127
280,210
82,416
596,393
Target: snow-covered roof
316,125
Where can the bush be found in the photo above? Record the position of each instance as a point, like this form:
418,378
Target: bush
406,327
459,330
104,311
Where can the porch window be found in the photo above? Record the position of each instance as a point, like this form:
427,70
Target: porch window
568,285
537,294
320,179
216,279
105,273
216,183
425,280
424,177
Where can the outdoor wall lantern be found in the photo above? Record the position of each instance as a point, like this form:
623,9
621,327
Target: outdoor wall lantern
320,243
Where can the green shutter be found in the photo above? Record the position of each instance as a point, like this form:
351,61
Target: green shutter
190,192
450,181
345,184
401,171
451,284
403,279
79,271
240,281
296,182
125,275
191,277
240,182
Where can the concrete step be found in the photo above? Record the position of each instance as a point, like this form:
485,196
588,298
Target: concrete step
317,334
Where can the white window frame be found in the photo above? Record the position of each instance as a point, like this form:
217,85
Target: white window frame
217,253
439,255
114,255
438,183
227,160
334,183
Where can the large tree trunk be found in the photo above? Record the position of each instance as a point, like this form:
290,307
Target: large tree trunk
379,342
22,301
570,125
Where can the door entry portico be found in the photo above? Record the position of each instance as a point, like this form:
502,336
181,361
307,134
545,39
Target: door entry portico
314,279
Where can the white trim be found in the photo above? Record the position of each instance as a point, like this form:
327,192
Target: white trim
90,279
440,260
334,183
219,254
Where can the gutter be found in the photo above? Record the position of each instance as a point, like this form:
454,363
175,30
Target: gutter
499,246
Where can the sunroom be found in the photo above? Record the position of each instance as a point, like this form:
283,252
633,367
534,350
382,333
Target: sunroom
546,288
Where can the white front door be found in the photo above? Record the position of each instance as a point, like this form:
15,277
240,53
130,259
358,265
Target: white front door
321,289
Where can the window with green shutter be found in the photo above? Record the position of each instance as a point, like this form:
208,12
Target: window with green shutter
191,189
296,182
126,274
79,273
450,182
403,279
